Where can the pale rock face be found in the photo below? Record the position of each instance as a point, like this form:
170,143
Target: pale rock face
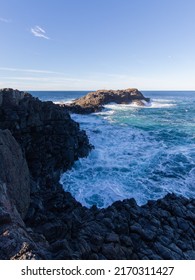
14,173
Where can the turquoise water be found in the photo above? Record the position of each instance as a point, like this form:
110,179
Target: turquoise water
139,152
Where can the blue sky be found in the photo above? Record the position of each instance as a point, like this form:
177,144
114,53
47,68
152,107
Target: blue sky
96,44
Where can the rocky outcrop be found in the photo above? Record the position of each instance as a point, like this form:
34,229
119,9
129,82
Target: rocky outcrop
9,96
14,173
94,101
14,203
159,230
50,139
56,226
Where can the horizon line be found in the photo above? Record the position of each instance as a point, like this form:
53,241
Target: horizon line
15,88
107,89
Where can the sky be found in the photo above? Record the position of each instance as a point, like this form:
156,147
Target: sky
97,44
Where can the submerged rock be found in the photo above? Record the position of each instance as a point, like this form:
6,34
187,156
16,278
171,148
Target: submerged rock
94,101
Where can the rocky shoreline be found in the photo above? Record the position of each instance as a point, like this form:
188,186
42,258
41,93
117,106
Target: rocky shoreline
95,101
38,220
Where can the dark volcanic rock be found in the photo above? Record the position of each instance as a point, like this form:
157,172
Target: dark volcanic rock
9,97
118,232
94,101
50,139
14,173
15,241
56,225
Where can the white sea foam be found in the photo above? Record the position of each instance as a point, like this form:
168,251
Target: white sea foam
134,156
65,101
154,103
162,103
124,106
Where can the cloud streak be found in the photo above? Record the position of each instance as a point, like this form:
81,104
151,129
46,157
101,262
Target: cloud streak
29,70
37,31
5,20
48,79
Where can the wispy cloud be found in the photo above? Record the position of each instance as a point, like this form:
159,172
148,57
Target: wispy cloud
5,20
27,79
53,80
36,75
30,70
37,31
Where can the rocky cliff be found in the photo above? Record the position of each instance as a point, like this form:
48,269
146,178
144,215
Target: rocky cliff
50,139
42,140
55,225
94,101
14,173
15,240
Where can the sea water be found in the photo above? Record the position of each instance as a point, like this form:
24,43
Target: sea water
140,152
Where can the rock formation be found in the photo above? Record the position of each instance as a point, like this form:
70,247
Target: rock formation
94,101
162,229
56,226
14,173
50,139
10,97
15,240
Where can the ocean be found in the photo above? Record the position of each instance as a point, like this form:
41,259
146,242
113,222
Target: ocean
140,152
